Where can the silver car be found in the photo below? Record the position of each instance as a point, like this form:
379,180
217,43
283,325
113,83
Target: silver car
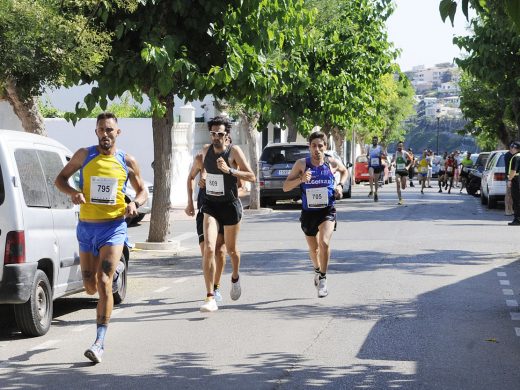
493,184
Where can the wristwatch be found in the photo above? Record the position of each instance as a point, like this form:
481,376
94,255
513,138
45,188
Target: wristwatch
340,184
232,171
137,204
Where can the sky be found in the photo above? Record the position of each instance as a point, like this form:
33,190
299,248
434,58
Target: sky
418,30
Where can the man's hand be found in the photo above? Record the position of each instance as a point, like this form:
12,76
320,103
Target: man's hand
190,210
78,198
221,164
307,176
338,192
131,210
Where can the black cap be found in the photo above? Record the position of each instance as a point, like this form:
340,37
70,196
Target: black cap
515,144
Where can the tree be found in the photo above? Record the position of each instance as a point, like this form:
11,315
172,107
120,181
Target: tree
492,66
352,54
448,8
46,43
264,58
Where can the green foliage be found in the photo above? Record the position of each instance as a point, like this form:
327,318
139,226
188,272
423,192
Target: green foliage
448,8
493,72
47,110
49,43
126,108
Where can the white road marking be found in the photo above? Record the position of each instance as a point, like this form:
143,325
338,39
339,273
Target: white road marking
517,331
511,302
184,236
504,282
162,289
515,316
180,280
45,345
507,291
501,274
80,328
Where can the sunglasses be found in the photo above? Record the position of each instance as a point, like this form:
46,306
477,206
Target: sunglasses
217,134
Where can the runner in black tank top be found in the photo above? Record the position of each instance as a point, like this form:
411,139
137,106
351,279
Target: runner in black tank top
222,206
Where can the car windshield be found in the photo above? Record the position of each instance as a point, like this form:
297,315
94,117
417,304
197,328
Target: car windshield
284,154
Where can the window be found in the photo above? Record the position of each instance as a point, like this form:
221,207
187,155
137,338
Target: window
52,165
33,183
38,170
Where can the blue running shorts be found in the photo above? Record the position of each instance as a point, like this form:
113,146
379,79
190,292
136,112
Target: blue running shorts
94,235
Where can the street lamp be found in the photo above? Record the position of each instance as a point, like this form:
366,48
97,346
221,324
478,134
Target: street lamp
438,119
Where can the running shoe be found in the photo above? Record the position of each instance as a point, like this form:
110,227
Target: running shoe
236,291
400,202
375,197
515,222
209,305
322,288
94,353
316,279
218,295
370,193
440,190
117,282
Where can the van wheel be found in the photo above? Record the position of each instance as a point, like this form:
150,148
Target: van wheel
483,198
34,316
120,295
492,202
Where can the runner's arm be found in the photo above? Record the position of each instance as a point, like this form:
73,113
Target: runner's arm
244,171
134,175
62,180
194,171
294,179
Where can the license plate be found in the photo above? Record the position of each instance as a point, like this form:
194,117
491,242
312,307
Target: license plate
365,174
283,172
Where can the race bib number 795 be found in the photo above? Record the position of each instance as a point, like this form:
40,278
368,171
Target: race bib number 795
103,190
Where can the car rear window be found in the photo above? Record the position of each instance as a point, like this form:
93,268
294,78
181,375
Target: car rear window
501,162
482,159
284,154
361,159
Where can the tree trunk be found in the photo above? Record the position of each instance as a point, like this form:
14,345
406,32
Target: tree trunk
291,127
339,138
162,152
25,108
251,123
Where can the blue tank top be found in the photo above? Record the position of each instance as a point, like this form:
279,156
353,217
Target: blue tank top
319,192
374,156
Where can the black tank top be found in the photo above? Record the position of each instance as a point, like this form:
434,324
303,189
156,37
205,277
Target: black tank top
230,187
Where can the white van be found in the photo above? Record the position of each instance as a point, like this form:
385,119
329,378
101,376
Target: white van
39,258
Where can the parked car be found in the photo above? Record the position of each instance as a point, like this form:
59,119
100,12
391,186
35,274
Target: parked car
145,208
475,173
361,169
40,260
493,184
275,164
347,187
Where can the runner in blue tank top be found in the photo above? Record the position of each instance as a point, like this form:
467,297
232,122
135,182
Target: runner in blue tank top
315,176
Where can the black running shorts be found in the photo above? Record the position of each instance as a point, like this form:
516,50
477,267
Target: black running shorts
200,226
403,173
226,213
311,220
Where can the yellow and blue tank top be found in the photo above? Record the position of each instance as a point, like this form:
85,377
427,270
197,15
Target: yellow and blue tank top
319,192
103,181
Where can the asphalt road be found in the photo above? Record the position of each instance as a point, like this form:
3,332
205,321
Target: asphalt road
422,296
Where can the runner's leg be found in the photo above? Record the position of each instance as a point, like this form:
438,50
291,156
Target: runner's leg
210,227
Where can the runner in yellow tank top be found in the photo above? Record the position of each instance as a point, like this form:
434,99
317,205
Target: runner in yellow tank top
101,232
